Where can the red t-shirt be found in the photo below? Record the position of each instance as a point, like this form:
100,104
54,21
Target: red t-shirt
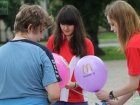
133,56
65,51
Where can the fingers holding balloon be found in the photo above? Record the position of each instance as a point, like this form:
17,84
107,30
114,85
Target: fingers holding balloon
102,95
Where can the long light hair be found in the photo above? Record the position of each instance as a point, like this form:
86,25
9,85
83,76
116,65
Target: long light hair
127,20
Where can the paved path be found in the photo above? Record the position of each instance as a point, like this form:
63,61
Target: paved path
117,76
109,44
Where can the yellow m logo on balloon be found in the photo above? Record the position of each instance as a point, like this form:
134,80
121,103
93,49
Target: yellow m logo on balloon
86,67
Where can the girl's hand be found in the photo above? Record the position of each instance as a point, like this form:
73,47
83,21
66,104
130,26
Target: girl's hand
71,85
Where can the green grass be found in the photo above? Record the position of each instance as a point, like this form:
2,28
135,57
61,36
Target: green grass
112,53
107,37
43,42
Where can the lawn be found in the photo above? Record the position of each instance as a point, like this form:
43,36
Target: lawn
111,53
107,37
43,42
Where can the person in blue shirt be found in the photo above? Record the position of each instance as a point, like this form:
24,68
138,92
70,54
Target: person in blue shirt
28,73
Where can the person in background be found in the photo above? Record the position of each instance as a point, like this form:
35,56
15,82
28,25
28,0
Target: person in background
125,22
69,40
28,74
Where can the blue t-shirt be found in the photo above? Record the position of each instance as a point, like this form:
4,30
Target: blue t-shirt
26,68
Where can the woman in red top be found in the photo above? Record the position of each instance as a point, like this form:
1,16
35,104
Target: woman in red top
69,40
125,22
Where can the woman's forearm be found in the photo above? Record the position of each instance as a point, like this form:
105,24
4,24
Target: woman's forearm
123,90
131,86
125,98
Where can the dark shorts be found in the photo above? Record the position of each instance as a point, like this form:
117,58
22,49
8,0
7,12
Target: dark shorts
70,103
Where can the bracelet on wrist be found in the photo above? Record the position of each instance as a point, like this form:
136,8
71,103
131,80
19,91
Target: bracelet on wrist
75,86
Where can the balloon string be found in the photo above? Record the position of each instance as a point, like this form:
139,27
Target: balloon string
79,93
83,95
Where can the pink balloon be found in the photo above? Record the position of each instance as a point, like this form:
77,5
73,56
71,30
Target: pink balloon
91,73
63,69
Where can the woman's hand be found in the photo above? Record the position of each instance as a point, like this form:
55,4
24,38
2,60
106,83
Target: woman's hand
102,95
121,100
113,102
71,85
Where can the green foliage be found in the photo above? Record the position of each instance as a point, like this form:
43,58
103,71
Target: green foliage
32,1
13,7
54,6
90,11
135,4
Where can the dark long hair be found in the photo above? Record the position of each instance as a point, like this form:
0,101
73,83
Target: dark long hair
71,16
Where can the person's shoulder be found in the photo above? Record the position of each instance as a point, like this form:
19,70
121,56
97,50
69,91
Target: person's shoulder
135,37
51,37
37,45
134,40
45,49
88,40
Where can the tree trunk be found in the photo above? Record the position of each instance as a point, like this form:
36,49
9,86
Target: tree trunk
94,39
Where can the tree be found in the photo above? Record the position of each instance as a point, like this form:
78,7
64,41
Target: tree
54,6
13,8
8,19
135,4
92,14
